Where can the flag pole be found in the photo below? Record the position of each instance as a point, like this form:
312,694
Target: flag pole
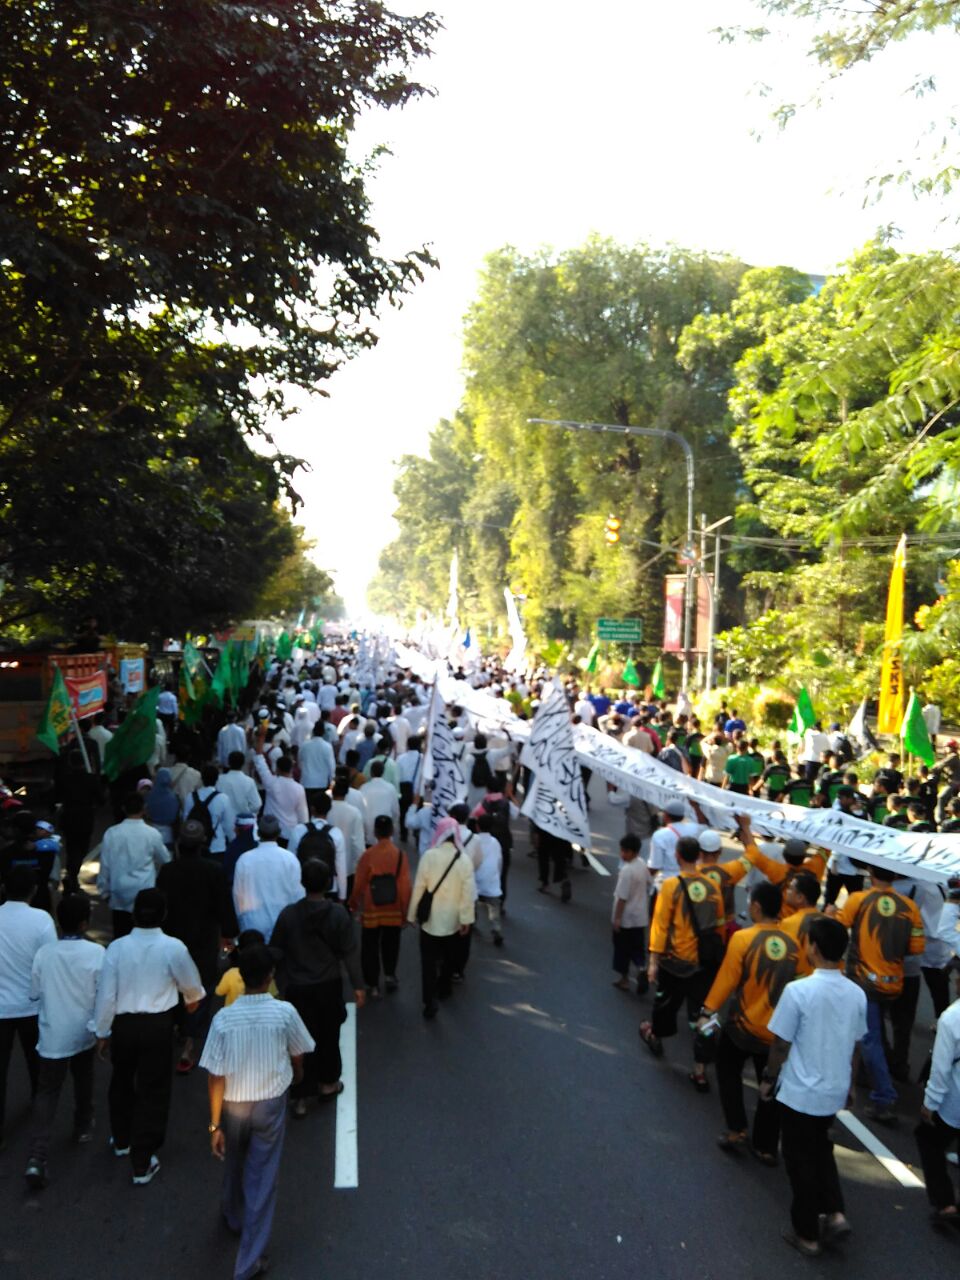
80,742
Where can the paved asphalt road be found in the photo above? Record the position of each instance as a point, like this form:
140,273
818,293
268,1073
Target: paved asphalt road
522,1134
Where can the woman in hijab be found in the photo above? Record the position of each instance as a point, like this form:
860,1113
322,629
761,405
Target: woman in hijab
163,807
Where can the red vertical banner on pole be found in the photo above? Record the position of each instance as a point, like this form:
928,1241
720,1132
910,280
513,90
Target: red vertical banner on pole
702,642
673,587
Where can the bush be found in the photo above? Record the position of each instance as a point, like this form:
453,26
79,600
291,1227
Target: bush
772,709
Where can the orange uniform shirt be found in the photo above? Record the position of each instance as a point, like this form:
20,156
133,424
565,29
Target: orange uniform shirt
797,924
725,876
884,927
759,963
672,934
780,872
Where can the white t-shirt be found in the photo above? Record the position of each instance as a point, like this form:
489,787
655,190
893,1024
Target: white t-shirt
489,871
633,888
65,978
663,849
822,1017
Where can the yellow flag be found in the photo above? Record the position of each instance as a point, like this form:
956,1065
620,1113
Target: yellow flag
890,713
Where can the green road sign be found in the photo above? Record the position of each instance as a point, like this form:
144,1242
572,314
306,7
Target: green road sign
623,630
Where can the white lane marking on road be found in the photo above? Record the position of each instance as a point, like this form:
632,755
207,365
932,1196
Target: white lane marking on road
598,867
896,1168
347,1167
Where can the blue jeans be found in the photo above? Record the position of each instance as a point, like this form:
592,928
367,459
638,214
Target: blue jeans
882,1092
254,1133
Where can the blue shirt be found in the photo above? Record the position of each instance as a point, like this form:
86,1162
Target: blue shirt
600,702
733,725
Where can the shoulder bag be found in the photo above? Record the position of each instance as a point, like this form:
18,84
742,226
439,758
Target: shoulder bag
425,905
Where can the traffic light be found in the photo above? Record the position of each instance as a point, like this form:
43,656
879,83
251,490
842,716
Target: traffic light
612,530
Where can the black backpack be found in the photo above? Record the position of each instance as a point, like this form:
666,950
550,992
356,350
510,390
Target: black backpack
480,774
201,813
498,811
317,842
843,750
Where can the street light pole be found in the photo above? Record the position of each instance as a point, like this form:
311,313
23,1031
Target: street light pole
615,428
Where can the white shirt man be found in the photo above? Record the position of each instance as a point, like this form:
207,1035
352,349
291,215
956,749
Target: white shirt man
328,696
379,797
317,765
585,710
489,871
346,819
241,790
230,738
340,875
218,805
131,854
286,799
64,982
266,880
23,931
633,890
663,842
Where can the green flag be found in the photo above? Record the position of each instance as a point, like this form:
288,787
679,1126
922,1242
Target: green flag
804,717
191,658
913,731
56,714
593,659
222,683
551,653
136,739
284,646
656,680
630,674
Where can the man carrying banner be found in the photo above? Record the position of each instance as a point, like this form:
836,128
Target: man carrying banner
686,948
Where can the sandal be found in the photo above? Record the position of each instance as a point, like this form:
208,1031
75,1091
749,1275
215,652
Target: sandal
765,1157
185,1066
326,1095
699,1082
653,1043
807,1248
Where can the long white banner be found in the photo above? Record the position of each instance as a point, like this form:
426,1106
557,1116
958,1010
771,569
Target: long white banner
923,856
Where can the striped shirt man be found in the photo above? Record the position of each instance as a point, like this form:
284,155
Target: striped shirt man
251,1043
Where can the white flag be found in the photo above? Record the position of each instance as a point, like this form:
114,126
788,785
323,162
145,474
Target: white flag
858,732
556,801
441,765
515,658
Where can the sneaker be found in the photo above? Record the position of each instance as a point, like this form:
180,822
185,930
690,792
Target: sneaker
141,1179
118,1151
391,984
84,1134
36,1175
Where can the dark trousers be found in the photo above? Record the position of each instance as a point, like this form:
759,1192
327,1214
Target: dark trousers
122,922
380,944
903,1014
141,1050
406,800
460,950
321,1007
811,1168
938,984
672,992
933,1143
504,869
555,853
629,945
437,957
76,846
27,1031
852,884
52,1076
254,1134
731,1060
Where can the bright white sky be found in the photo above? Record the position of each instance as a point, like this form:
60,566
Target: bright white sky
554,119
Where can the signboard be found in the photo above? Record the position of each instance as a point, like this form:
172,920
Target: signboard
87,693
131,675
624,630
673,587
702,642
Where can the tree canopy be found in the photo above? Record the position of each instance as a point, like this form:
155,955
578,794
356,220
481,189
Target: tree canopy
182,235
